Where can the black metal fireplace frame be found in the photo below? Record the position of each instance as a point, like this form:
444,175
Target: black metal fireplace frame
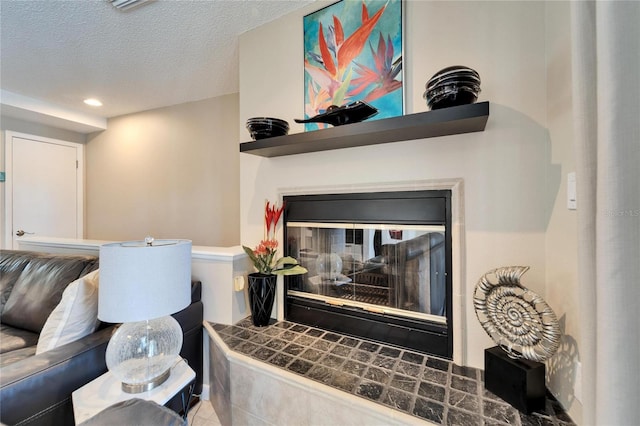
424,207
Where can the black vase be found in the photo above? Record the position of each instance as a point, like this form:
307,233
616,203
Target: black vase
262,293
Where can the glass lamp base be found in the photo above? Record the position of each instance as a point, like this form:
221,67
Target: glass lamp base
140,354
145,387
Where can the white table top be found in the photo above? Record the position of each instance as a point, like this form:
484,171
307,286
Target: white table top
106,390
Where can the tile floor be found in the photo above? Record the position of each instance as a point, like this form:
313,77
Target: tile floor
203,414
426,387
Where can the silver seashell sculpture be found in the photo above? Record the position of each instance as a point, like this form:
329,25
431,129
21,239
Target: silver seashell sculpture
516,318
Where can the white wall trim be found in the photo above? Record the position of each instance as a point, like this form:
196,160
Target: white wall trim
71,245
204,395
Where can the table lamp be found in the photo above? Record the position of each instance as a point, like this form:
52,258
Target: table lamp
141,284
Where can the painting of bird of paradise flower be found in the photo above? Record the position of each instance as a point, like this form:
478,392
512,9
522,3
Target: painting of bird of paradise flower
353,52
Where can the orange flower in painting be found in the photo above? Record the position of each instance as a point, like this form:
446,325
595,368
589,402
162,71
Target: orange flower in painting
319,101
337,53
383,77
352,46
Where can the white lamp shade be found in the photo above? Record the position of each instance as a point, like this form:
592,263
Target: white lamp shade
141,282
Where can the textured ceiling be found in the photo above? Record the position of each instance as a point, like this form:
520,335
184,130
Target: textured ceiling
163,53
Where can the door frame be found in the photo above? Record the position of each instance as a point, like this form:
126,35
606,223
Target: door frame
8,185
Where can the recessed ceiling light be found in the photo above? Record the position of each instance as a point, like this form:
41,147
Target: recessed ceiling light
93,102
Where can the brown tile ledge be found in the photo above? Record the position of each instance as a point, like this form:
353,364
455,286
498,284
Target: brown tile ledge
391,385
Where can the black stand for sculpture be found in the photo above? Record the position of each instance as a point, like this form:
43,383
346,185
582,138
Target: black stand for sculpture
520,382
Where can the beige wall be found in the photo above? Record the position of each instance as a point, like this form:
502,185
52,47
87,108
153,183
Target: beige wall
561,238
512,171
170,172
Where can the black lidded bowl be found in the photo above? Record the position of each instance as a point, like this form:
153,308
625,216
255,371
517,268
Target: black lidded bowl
459,96
455,77
266,127
452,86
454,69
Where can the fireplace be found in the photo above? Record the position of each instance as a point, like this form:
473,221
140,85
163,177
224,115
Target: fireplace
379,266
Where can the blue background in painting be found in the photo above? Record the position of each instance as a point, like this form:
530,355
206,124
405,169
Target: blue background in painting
350,13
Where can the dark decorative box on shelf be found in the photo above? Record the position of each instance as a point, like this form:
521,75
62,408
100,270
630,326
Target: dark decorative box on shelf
442,122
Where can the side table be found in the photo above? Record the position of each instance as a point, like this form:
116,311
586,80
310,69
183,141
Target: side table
106,390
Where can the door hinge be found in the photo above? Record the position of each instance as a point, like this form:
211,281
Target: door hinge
76,164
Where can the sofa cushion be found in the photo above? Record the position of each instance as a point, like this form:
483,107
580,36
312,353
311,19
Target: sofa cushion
39,289
12,338
11,265
17,355
75,316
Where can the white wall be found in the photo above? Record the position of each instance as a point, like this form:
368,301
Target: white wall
505,168
169,172
562,290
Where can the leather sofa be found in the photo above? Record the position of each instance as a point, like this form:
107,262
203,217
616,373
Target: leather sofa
36,389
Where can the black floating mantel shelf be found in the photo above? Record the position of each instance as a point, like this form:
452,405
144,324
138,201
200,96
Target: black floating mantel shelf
441,122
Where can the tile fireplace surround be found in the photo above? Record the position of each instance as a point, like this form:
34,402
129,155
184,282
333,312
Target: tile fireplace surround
288,373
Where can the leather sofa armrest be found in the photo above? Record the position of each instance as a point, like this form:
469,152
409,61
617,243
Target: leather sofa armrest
39,387
190,320
34,386
196,291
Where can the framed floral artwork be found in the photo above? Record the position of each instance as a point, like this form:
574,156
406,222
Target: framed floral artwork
353,52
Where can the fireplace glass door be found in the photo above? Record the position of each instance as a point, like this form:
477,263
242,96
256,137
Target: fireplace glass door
391,269
379,266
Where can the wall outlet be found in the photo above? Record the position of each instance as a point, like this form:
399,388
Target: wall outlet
572,202
238,283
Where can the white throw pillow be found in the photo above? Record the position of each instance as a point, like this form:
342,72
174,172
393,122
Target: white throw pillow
75,316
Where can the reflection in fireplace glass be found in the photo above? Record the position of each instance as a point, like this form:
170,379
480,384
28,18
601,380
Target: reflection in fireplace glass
396,269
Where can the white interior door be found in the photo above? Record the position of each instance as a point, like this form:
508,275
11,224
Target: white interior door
44,188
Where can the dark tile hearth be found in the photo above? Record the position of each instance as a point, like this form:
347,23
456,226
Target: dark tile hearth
423,386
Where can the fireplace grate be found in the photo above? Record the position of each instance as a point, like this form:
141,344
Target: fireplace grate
365,293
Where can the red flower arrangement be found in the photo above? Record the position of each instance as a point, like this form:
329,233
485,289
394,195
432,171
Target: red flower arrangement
264,255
